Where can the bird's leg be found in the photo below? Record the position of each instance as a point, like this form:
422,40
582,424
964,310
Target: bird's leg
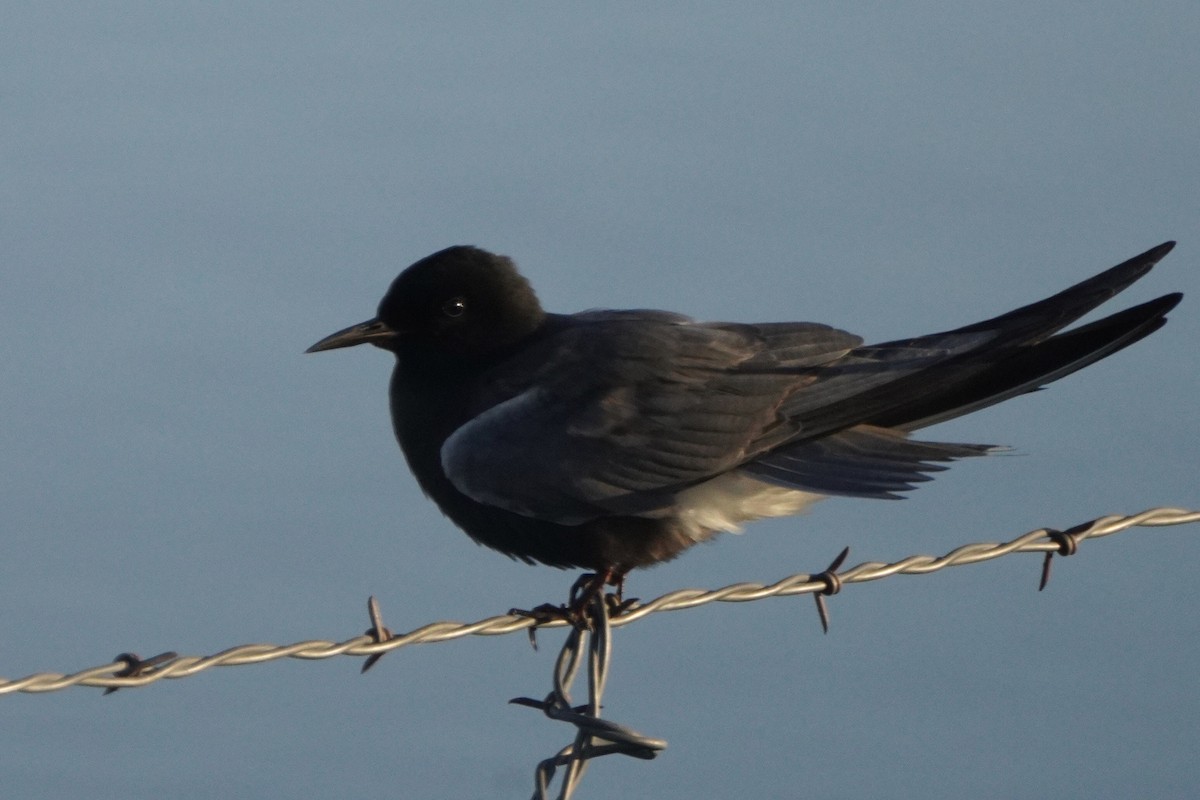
589,586
617,604
585,589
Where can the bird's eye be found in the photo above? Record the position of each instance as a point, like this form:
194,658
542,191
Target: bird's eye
454,307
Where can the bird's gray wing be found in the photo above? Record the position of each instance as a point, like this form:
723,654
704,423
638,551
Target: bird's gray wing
615,412
863,461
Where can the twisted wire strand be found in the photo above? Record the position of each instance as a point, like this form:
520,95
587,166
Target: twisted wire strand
1045,540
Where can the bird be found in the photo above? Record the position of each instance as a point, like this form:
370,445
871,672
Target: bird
612,440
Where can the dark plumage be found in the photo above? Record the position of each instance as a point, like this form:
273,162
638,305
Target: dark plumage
611,440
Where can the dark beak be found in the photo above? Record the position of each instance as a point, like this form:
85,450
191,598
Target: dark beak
373,331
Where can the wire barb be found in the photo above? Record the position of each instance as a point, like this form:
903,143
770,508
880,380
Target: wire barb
135,666
378,631
1068,545
833,585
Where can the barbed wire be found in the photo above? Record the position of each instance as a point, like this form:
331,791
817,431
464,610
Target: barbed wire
590,638
129,671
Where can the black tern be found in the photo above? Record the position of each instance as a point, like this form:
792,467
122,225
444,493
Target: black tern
611,440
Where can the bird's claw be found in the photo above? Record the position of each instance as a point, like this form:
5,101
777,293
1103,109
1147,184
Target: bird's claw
577,610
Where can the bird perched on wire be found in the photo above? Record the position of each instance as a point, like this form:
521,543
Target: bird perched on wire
611,440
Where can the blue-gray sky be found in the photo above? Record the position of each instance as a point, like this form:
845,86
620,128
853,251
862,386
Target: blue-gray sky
193,193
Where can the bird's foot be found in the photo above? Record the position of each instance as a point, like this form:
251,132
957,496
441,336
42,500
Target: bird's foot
578,611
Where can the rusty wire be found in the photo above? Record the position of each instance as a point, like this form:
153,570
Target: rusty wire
127,671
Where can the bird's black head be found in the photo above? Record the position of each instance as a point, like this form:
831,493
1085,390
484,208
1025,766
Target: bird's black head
461,301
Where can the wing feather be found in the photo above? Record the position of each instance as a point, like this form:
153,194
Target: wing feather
617,412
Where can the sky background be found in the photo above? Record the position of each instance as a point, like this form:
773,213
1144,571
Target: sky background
193,193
